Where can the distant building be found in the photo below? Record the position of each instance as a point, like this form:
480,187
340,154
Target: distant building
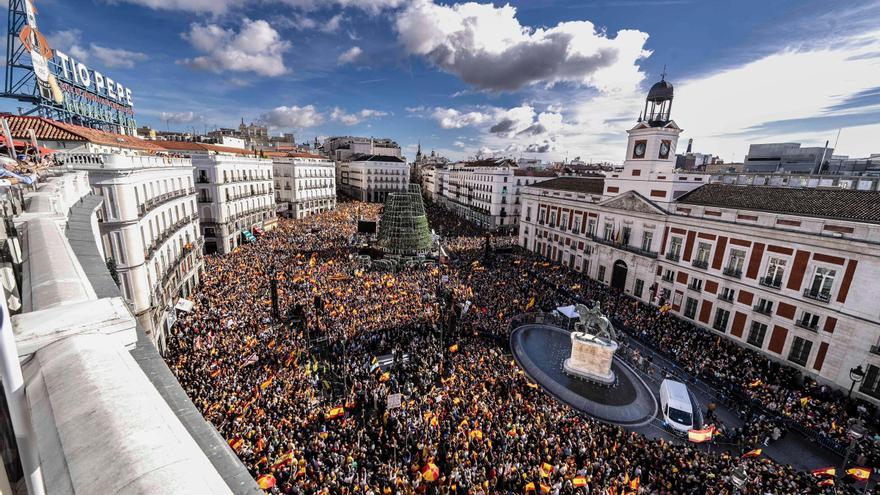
786,157
695,162
342,148
371,177
235,193
305,184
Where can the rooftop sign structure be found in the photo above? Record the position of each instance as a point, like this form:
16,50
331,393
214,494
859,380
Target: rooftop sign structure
59,86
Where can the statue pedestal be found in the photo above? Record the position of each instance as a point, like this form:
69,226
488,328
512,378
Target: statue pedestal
591,358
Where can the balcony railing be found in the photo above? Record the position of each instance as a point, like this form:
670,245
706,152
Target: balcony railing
763,309
698,263
770,282
168,232
156,201
875,349
733,272
667,279
695,288
624,246
720,327
727,297
676,257
817,295
807,326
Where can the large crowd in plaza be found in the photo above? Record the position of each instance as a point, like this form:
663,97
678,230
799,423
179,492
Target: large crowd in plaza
305,406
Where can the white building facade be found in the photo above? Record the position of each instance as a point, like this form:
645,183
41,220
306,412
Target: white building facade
787,271
371,178
149,228
305,184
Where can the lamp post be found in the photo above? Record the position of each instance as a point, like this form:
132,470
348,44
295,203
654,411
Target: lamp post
856,374
855,432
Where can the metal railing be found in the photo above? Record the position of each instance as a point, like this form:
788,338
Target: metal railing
806,326
770,282
156,201
698,263
676,257
763,309
624,246
817,295
733,272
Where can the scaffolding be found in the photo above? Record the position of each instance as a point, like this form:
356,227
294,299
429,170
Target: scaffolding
403,227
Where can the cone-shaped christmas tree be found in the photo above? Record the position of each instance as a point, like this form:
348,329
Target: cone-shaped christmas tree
403,228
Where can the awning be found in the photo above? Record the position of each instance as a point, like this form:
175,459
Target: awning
568,311
24,144
248,236
184,305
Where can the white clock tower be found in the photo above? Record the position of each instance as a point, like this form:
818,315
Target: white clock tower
649,166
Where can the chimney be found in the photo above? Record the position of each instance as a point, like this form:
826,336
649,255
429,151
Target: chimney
690,145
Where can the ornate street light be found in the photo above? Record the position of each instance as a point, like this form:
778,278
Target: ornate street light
856,375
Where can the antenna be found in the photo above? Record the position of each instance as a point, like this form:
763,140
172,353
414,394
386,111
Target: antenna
663,75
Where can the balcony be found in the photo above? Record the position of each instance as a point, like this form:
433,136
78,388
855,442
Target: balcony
720,327
771,282
624,246
726,298
763,309
817,295
875,349
675,257
156,201
733,272
205,199
667,279
806,325
696,288
203,180
702,264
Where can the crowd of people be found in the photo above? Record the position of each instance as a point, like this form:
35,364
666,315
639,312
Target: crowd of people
308,398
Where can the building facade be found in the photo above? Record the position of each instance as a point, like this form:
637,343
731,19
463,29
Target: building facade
305,184
371,177
150,232
343,148
787,271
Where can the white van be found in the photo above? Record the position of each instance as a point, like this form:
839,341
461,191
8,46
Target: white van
675,403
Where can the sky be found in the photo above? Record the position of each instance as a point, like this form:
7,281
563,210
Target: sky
550,79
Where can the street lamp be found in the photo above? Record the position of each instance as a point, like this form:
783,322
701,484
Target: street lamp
856,375
855,432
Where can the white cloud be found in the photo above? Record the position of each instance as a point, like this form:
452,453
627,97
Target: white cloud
256,47
180,117
117,57
340,115
370,6
302,22
349,55
70,42
487,47
450,118
293,117
199,6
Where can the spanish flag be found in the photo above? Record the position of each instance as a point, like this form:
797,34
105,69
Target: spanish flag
829,471
860,473
336,412
826,482
265,384
752,453
756,383
283,461
634,484
476,435
385,377
236,443
531,304
453,348
579,481
545,489
266,481
530,487
531,385
215,373
547,468
700,436
804,401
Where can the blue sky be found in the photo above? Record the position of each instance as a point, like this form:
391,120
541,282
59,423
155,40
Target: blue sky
544,78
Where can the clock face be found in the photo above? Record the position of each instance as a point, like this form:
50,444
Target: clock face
639,150
664,149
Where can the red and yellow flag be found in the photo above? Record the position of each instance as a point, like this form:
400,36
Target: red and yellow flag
700,436
579,481
385,377
266,481
267,383
826,482
828,471
860,473
453,348
475,435
236,443
545,489
336,412
283,461
634,484
752,453
530,487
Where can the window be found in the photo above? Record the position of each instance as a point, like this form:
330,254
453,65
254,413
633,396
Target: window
823,281
638,288
553,218
690,308
586,266
609,232
668,275
721,317
727,294
564,221
735,263
764,306
674,251
696,284
625,235
756,334
591,226
541,217
871,383
647,240
601,274
800,351
703,251
809,321
775,271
